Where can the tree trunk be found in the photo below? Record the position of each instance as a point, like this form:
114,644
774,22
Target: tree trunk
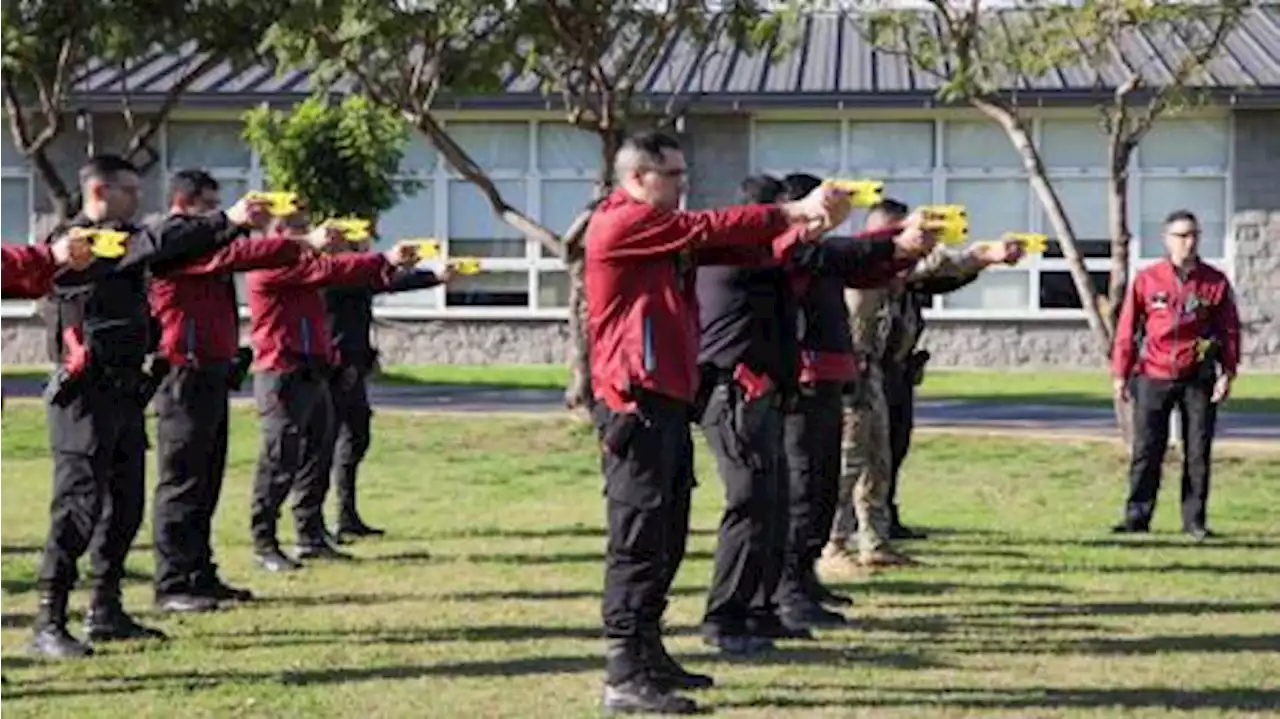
1118,220
579,395
1034,166
59,194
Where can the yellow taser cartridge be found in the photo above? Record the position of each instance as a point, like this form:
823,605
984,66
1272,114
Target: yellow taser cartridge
353,229
862,193
282,204
465,265
949,223
103,243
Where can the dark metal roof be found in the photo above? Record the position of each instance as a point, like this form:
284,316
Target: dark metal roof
831,65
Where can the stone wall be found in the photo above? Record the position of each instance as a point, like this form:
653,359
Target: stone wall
1257,233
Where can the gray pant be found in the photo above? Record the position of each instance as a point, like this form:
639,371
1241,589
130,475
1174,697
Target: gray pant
297,436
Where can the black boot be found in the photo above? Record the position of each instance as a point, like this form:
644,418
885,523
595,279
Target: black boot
51,638
320,547
629,687
107,621
349,522
818,592
665,670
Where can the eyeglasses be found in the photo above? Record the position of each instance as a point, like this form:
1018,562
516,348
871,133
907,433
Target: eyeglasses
1189,234
674,173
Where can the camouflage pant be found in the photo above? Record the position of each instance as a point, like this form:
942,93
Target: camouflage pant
866,468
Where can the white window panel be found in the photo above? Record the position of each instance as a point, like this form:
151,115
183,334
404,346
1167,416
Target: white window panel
1007,290
1073,143
553,289
414,216
563,147
230,190
15,220
490,289
562,202
978,145
889,146
474,231
1181,144
994,206
420,157
206,145
494,145
912,192
790,146
1086,204
12,158
1206,197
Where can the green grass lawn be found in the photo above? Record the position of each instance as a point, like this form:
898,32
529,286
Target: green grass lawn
1252,393
483,600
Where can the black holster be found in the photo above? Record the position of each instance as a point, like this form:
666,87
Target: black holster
64,386
239,368
150,381
915,367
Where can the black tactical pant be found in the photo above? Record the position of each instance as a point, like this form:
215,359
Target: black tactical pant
746,439
647,462
191,452
1153,402
811,439
99,446
900,394
351,417
297,418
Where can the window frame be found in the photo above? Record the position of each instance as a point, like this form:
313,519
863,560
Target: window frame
941,175
22,308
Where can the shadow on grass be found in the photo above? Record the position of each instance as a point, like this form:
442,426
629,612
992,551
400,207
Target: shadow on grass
16,621
1052,698
1244,405
568,532
1073,568
549,595
486,633
933,588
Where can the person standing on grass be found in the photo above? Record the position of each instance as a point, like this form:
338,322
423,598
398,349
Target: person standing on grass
100,335
642,325
195,304
293,362
350,314
867,458
1177,344
749,362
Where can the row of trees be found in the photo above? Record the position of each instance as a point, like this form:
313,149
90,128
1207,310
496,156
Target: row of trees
594,56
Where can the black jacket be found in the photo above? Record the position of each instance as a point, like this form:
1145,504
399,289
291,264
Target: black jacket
350,311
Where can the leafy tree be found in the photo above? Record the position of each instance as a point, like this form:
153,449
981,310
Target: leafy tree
981,56
592,55
341,158
50,45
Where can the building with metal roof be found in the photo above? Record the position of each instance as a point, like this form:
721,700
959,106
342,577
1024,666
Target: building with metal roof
834,106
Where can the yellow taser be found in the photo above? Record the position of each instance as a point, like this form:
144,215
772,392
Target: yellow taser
109,244
282,204
862,193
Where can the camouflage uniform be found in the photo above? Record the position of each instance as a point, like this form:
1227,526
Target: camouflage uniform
866,462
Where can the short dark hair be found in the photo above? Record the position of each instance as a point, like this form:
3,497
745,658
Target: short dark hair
651,143
105,168
891,207
798,184
1179,215
762,189
189,184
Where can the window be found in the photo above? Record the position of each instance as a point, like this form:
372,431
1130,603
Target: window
978,145
495,146
490,289
562,202
15,220
785,147
412,217
1008,290
1206,197
1074,144
1058,290
553,289
890,146
474,230
563,148
206,145
994,206
1180,144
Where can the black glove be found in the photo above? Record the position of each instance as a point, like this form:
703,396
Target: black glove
150,383
240,368
915,367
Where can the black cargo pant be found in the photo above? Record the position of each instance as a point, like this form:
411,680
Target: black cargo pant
900,395
191,452
99,446
297,418
1153,402
746,439
811,440
647,462
351,418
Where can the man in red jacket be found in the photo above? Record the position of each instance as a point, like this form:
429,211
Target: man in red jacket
29,269
293,361
1177,344
642,324
195,305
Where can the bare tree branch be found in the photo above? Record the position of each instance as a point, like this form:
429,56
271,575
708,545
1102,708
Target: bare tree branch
141,140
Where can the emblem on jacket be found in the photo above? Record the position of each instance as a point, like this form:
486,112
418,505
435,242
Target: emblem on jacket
1160,301
1192,304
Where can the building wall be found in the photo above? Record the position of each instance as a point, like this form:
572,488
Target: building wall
720,154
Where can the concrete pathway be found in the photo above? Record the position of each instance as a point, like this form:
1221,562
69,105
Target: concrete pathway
938,414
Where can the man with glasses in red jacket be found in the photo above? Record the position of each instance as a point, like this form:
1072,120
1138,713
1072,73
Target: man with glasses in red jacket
1177,344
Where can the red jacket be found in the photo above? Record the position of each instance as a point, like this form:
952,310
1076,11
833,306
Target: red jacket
1169,314
289,326
28,271
195,303
642,303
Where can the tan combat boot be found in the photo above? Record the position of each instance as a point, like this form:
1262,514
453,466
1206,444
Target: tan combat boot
839,562
886,557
